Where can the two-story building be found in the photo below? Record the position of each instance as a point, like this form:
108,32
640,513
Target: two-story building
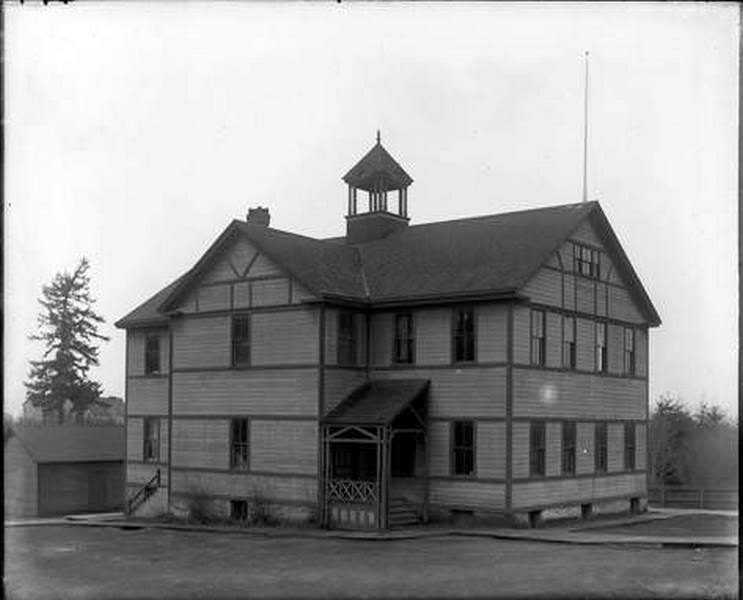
495,365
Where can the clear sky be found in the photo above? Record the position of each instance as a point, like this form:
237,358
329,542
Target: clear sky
136,131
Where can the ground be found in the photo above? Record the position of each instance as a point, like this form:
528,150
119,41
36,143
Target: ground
681,526
57,561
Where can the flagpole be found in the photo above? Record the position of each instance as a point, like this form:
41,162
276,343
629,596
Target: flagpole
585,134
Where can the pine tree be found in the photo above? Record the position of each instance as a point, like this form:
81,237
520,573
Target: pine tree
68,327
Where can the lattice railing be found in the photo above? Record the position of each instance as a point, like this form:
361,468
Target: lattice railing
351,491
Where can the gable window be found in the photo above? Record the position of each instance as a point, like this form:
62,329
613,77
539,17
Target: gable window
568,448
239,444
629,446
346,339
629,351
463,448
464,334
151,449
404,340
601,448
537,448
538,343
586,261
240,340
152,354
568,345
601,347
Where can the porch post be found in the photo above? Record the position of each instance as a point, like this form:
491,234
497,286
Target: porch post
384,491
426,484
325,476
379,478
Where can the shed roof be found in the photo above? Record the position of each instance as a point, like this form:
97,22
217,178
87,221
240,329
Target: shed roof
72,443
377,402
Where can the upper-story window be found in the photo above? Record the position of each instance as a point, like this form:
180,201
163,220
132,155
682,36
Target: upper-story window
601,347
629,351
346,339
538,341
464,334
240,340
404,340
568,345
586,261
152,354
151,449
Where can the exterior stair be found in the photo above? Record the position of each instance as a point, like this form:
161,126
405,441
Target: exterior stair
402,513
143,494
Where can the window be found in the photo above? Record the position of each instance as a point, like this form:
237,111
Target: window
568,345
601,451
239,510
152,354
629,446
463,448
601,347
538,345
568,448
239,444
240,340
151,450
464,334
587,261
629,351
404,340
346,339
536,448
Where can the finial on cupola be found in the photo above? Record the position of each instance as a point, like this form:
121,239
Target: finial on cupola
379,137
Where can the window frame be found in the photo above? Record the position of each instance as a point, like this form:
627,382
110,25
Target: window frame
569,347
602,355
568,445
239,510
464,337
601,447
152,358
455,449
537,449
240,448
630,450
586,261
151,425
240,346
537,343
407,341
346,339
630,340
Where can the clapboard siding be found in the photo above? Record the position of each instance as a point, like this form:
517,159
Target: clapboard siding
134,438
214,297
538,393
221,271
241,254
584,295
622,307
136,347
553,453
553,333
266,392
569,292
287,337
490,447
203,444
270,292
331,336
585,458
521,335
141,473
585,340
201,342
300,293
492,333
241,485
468,494
438,448
264,267
339,383
360,324
641,352
283,446
641,448
147,396
432,336
615,446
580,490
241,295
382,338
545,287
459,393
520,452
615,348
601,299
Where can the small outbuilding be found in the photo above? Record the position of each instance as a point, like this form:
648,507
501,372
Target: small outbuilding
63,469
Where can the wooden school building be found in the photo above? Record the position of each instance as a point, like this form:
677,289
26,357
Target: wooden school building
494,366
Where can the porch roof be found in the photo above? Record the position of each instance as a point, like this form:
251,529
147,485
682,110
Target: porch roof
377,402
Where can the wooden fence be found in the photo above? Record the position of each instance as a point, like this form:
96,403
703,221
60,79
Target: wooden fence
713,499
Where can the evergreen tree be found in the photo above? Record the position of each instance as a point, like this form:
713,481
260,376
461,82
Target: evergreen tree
68,327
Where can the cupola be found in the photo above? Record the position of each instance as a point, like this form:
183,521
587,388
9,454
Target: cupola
378,174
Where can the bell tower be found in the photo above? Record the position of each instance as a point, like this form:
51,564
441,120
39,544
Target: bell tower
378,174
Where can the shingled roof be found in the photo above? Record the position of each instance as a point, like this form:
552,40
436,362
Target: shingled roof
377,402
378,167
72,443
488,256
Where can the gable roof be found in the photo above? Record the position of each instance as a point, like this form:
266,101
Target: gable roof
489,256
377,402
72,443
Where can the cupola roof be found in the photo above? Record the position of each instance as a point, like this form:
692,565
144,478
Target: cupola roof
377,171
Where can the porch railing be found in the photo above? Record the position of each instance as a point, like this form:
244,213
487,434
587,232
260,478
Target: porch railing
350,491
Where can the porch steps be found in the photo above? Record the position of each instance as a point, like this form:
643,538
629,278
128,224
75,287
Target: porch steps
402,513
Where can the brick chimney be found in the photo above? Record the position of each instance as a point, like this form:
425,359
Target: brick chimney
259,216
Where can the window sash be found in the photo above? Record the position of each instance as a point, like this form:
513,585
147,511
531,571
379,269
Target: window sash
240,340
464,335
568,448
152,355
568,349
463,448
601,448
151,440
538,340
239,444
537,447
587,261
404,340
346,339
630,446
601,347
629,351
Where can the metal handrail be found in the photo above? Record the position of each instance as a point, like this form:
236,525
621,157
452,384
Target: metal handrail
143,493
